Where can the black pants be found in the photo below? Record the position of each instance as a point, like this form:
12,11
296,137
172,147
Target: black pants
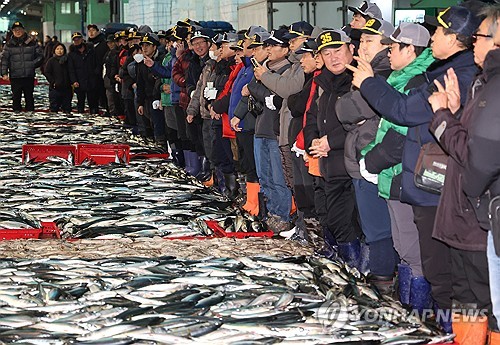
195,135
303,187
221,151
91,96
60,99
246,156
436,258
342,218
20,86
320,200
130,115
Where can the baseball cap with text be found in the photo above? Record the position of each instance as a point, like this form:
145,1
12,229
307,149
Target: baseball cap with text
409,33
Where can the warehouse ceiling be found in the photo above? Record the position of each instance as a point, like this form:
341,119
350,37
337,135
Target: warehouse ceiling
32,8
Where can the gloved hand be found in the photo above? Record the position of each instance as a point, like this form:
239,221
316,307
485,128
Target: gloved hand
270,102
156,104
298,152
372,178
210,94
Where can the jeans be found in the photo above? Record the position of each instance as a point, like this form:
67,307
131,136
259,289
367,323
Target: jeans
272,177
494,272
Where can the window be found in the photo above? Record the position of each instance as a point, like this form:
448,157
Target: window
77,7
65,7
65,36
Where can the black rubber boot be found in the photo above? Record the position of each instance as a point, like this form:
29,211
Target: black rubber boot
205,173
231,186
262,206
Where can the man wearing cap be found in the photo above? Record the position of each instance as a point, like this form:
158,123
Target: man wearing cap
451,46
83,73
98,39
110,70
325,139
363,13
267,154
243,122
409,58
150,116
456,222
361,123
20,57
162,37
480,177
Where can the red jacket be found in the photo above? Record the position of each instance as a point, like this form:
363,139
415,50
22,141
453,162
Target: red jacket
179,76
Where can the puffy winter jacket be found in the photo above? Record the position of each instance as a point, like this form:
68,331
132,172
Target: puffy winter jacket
20,57
82,66
56,71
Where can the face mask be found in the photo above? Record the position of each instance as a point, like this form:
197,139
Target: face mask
138,58
212,55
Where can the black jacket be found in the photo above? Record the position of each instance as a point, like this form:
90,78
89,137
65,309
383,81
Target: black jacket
20,57
322,113
297,104
57,73
146,81
100,48
111,67
82,66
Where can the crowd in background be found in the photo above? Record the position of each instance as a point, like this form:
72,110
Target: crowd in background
316,128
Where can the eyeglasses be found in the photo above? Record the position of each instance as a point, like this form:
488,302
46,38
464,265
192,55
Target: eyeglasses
475,36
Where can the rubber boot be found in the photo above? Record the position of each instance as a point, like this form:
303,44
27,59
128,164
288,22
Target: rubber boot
330,247
384,284
382,258
205,173
493,337
252,204
443,319
262,206
350,252
300,229
404,283
220,181
178,158
420,294
231,186
242,182
364,259
470,330
192,162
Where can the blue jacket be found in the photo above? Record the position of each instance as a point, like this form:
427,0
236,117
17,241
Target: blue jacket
166,72
243,78
414,111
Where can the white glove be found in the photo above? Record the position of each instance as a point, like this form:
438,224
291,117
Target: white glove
210,94
270,102
298,152
192,94
116,88
372,178
156,104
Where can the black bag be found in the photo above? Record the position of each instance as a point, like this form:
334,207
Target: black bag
255,107
494,212
430,170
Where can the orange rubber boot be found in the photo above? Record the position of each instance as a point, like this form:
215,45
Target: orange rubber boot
252,204
470,330
493,338
293,209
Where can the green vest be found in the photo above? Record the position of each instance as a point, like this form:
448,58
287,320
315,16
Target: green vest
398,80
166,99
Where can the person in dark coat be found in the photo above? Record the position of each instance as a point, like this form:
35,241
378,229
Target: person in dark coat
450,45
110,70
48,50
98,39
362,122
456,222
324,138
57,74
83,73
20,57
128,84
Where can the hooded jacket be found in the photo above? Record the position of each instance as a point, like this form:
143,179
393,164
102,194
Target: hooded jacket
383,155
20,57
359,119
414,111
82,66
285,85
57,74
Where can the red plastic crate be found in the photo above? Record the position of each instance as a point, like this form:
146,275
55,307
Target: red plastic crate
39,153
220,232
102,154
48,230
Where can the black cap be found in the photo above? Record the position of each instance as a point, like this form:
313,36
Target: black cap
110,38
238,45
92,26
309,46
299,29
17,25
151,39
180,32
188,22
162,34
134,35
456,18
76,35
332,39
207,34
277,38
258,39
375,26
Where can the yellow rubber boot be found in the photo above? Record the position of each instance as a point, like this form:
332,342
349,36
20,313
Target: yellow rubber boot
470,330
252,204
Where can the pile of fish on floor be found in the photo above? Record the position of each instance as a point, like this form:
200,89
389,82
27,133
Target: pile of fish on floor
259,300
